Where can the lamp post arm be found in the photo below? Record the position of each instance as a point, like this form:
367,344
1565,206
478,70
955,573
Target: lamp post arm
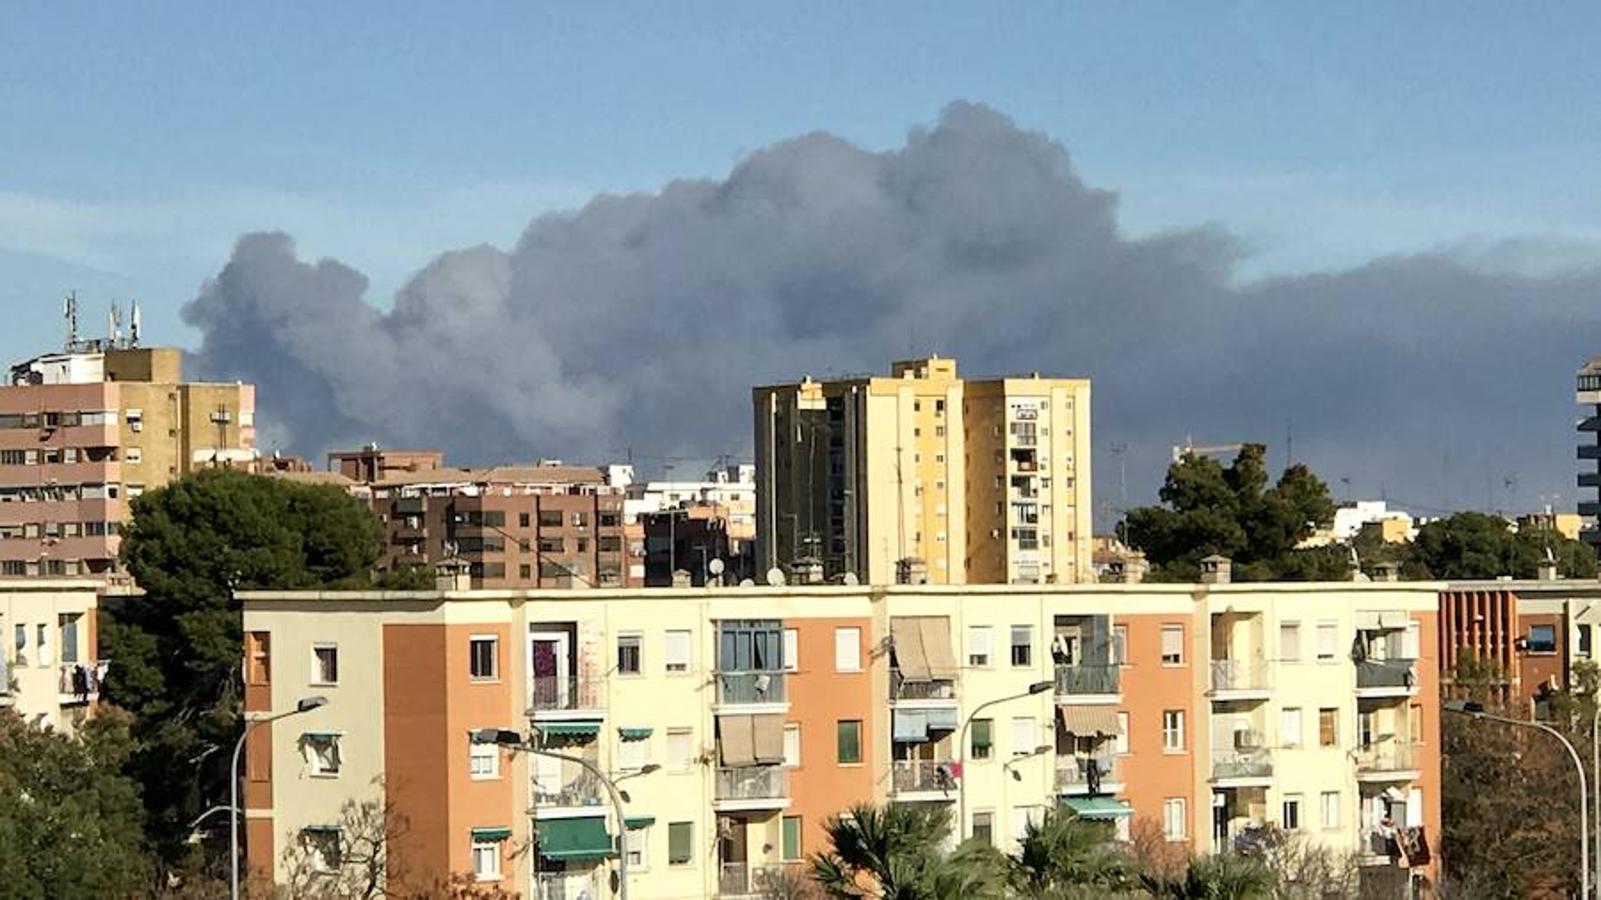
961,757
233,795
616,802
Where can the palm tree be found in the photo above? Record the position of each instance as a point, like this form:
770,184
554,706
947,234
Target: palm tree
896,852
1222,876
1064,855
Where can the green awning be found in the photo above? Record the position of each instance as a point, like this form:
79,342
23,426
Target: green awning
634,733
574,839
1097,808
490,834
569,729
639,821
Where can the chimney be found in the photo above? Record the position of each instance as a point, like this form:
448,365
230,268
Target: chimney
453,574
683,579
1547,571
1130,568
1216,569
911,570
1386,571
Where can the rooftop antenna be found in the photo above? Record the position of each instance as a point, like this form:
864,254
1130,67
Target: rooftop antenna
133,325
114,320
69,309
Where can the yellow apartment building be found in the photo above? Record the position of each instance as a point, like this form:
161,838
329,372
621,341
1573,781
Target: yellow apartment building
735,720
923,476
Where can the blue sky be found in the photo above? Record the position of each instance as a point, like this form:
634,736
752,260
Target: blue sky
137,141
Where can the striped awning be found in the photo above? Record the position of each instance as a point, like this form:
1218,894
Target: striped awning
569,729
634,733
490,834
1097,808
1086,721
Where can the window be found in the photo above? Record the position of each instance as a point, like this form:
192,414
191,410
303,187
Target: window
1290,641
1290,727
792,745
979,645
1173,729
790,844
1410,640
132,455
1542,638
984,827
1329,809
1290,812
323,848
483,651
322,753
42,642
486,860
983,739
67,624
1174,826
1414,723
791,650
21,645
324,664
628,654
1022,645
483,761
1023,740
680,843
1120,740
1328,641
633,753
680,749
847,649
848,742
1119,645
636,843
1328,729
1172,645
522,520
1022,817
677,651
1584,641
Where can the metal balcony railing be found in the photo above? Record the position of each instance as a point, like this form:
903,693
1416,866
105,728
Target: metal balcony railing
1084,771
922,776
741,879
752,783
1232,763
551,693
565,885
80,680
939,688
575,786
1386,673
1240,675
1385,757
1087,678
750,687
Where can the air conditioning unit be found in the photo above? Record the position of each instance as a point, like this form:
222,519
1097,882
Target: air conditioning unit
1245,739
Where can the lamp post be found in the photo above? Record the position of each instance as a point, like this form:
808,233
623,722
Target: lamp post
1476,710
1595,777
306,704
515,741
1038,687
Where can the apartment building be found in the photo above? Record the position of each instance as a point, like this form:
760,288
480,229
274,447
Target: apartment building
1588,396
736,720
924,476
538,526
86,430
1529,632
50,671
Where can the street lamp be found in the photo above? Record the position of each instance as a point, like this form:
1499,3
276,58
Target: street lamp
1038,687
513,740
1476,710
306,704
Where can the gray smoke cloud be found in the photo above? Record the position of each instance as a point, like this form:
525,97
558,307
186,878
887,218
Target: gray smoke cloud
641,321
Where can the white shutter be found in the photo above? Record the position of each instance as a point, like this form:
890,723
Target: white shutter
847,649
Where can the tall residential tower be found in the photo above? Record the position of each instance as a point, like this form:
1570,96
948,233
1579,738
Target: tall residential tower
1589,397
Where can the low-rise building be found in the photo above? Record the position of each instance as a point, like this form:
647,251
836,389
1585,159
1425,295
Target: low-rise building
738,719
1527,634
50,670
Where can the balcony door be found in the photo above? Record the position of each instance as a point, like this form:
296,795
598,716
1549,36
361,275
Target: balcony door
549,665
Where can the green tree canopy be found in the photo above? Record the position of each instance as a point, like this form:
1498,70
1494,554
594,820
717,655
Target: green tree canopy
1475,545
175,650
1208,509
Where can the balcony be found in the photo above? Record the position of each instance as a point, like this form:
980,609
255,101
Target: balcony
1589,479
563,696
1387,761
1088,683
79,683
751,787
1085,774
1240,679
1242,768
1387,846
937,691
743,881
570,885
910,777
572,787
764,688
1386,678
1590,451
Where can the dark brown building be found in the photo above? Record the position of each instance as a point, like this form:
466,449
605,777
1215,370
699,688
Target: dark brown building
688,539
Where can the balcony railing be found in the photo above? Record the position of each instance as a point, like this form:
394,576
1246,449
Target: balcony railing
1385,673
554,693
565,885
577,787
910,776
935,689
741,879
1394,843
1240,675
1090,772
752,783
1232,763
80,680
750,687
1087,679
1385,757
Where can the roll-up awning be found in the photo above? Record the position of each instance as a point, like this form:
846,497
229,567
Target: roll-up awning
768,740
1086,721
910,726
1098,808
936,631
574,839
909,656
736,740
941,718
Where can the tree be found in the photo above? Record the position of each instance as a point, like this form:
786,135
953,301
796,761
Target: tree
1208,509
1064,855
1221,876
895,852
175,650
1475,545
70,821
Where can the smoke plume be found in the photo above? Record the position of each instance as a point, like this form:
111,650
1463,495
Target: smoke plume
642,320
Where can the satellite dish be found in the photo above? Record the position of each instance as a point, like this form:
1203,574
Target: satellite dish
746,582
775,577
850,580
715,567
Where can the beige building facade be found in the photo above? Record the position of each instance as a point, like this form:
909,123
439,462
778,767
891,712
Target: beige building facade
924,476
50,670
